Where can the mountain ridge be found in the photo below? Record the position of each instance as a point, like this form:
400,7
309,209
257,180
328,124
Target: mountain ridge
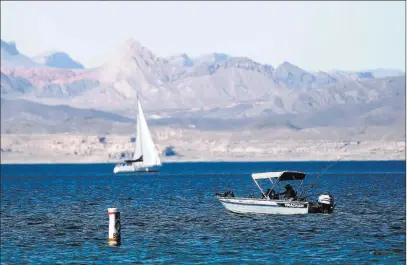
211,87
11,57
57,59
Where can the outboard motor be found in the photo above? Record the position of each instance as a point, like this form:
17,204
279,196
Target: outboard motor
326,203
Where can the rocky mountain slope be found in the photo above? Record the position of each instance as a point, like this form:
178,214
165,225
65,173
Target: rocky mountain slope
215,80
213,91
57,59
11,57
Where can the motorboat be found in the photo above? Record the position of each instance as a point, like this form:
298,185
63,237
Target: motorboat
270,202
145,158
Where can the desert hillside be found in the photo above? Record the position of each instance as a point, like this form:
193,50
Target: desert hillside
214,107
191,145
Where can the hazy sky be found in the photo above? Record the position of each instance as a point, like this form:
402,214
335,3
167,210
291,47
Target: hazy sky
312,35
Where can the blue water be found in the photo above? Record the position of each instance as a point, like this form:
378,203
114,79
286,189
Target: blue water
57,214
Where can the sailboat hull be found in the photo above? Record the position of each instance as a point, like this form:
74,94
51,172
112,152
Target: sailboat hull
131,169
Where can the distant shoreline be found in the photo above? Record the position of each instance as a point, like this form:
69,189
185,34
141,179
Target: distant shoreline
202,161
193,147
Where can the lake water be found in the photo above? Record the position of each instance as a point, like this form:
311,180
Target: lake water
57,214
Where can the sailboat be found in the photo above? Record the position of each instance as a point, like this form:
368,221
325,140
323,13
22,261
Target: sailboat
145,157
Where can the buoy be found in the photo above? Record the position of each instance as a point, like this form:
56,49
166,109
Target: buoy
114,227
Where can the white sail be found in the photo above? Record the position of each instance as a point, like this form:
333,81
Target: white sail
145,141
145,157
137,152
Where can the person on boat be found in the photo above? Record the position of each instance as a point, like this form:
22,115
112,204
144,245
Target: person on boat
289,193
271,194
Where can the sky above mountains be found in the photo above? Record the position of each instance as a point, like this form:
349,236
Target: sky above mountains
315,35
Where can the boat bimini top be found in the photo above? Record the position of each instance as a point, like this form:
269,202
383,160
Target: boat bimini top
275,177
280,176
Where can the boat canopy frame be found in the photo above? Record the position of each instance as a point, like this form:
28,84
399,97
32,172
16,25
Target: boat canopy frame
276,177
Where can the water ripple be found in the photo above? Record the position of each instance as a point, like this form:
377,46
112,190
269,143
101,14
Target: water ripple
175,219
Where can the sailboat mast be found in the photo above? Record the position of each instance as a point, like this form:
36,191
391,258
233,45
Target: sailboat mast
139,127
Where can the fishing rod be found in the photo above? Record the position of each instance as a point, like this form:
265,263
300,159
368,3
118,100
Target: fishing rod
311,186
331,165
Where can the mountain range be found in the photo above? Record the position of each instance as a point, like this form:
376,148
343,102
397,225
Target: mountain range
211,91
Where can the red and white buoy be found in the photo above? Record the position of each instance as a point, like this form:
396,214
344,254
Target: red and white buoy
114,227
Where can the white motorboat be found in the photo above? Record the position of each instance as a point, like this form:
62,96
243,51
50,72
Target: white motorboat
145,157
270,201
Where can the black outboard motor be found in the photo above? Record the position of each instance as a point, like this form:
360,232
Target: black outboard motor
326,203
